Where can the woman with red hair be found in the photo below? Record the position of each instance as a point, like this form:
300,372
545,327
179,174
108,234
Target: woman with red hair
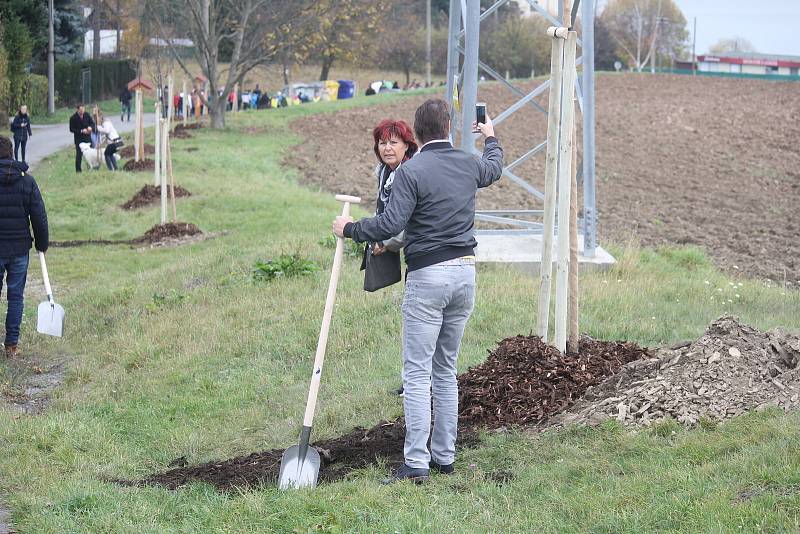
394,144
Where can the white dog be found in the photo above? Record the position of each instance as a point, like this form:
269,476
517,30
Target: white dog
90,155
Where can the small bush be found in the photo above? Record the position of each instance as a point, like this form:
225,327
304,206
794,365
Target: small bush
285,266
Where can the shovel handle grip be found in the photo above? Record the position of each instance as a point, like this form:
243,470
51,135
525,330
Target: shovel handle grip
46,277
319,358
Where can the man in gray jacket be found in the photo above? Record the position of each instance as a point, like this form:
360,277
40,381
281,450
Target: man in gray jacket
433,199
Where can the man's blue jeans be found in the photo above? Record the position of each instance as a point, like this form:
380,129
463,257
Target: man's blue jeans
16,273
437,303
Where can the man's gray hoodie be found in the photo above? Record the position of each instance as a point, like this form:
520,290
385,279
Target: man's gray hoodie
433,199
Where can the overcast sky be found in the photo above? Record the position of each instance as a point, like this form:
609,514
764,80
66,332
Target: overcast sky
773,26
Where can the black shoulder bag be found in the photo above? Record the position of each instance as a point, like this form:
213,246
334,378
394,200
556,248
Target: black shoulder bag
380,271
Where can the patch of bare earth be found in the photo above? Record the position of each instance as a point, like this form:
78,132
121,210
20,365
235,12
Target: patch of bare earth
680,160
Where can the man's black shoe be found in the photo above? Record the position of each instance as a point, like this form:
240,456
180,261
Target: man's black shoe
443,469
417,475
400,391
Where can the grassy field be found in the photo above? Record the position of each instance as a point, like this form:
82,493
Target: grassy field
178,352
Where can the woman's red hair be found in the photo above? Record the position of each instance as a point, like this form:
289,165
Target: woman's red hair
387,128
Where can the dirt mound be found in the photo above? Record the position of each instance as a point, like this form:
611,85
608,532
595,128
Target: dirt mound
128,151
682,185
525,381
151,194
164,232
139,166
181,134
340,456
189,126
731,369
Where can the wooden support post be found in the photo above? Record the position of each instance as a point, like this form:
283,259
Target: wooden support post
96,135
138,136
164,183
574,334
235,106
171,180
551,171
564,189
157,166
185,103
170,105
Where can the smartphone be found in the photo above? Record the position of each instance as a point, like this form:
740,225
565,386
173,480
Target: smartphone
480,113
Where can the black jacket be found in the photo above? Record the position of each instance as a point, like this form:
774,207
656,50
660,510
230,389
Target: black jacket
21,207
125,96
21,127
76,124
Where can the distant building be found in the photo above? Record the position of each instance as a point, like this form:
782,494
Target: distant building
749,63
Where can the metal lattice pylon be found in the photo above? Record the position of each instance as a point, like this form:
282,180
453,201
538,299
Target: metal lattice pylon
465,20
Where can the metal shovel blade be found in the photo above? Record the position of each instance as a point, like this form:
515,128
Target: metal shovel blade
299,470
50,319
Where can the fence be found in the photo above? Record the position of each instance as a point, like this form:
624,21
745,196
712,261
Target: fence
107,77
780,77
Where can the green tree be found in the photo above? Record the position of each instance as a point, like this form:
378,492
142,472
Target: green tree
17,38
517,45
346,29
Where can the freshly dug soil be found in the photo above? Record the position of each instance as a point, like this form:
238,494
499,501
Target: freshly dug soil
164,232
525,381
138,166
680,160
733,368
181,134
189,126
158,234
151,194
340,456
523,376
128,150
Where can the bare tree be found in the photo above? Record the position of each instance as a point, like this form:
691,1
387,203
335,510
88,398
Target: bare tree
735,44
644,28
255,32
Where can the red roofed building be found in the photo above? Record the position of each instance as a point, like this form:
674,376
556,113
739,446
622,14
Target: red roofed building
749,63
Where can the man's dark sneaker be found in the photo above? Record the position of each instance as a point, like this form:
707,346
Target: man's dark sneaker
417,475
443,469
400,391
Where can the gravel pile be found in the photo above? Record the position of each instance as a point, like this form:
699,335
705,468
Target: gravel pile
733,368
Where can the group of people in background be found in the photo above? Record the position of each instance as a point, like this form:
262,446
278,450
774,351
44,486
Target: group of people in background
91,136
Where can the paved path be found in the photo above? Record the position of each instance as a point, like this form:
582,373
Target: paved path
51,138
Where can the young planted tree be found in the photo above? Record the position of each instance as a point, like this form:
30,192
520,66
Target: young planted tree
254,31
644,28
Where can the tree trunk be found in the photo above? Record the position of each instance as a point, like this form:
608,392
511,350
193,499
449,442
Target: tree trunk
217,112
119,31
407,72
96,30
327,62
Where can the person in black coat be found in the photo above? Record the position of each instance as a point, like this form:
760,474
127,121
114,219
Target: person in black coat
21,208
125,98
22,131
81,125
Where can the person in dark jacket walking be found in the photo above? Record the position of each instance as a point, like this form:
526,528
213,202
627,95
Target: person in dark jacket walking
22,131
125,98
21,208
433,199
81,125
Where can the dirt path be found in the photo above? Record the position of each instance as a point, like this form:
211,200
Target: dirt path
709,161
5,520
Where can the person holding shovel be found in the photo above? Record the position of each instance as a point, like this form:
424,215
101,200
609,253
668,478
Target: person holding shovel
433,199
21,208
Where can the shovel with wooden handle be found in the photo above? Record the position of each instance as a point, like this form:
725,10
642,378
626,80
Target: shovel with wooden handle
49,316
300,463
